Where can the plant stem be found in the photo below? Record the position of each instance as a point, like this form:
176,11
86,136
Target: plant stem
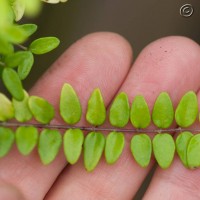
22,47
64,127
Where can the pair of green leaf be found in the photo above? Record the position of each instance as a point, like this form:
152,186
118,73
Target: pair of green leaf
163,149
188,149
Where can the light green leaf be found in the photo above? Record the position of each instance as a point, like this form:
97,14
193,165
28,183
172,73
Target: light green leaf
119,111
23,59
5,47
70,107
164,149
6,108
140,115
41,109
29,29
22,111
187,110
73,141
18,7
96,111
26,139
181,145
141,149
13,83
163,111
49,144
44,45
6,140
93,148
193,152
114,147
33,7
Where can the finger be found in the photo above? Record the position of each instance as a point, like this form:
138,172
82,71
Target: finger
162,66
94,61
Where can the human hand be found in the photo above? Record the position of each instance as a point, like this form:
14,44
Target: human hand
104,60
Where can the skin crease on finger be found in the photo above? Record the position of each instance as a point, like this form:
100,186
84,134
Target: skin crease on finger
93,61
165,65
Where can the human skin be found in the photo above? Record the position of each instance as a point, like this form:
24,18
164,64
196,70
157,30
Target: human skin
105,60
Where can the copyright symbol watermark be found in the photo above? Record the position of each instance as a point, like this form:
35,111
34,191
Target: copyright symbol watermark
186,10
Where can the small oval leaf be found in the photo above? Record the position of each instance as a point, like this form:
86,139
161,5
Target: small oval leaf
41,109
164,149
26,139
49,144
93,148
193,152
18,7
187,110
13,83
114,147
119,111
22,111
73,141
70,107
96,111
29,29
44,45
163,111
181,145
6,108
6,140
140,115
141,149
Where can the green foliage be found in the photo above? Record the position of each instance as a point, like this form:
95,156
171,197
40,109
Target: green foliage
187,110
73,141
119,111
44,45
70,107
164,149
140,115
6,140
163,111
26,139
96,111
181,145
114,147
141,149
49,144
93,149
41,109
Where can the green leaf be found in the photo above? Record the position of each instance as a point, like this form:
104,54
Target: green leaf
193,152
41,109
93,148
26,139
23,59
44,45
49,144
163,111
22,111
181,145
6,140
15,34
114,147
140,114
70,107
5,47
29,29
6,108
13,83
164,149
33,7
18,7
119,111
187,110
73,141
141,149
96,111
